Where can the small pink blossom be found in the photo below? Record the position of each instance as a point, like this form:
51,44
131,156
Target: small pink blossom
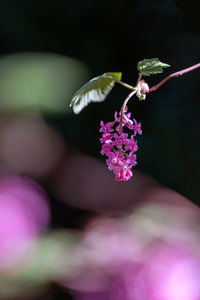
142,89
106,127
131,145
120,139
105,150
106,138
136,127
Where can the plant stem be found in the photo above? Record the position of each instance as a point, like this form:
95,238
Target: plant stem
177,74
139,78
124,104
130,87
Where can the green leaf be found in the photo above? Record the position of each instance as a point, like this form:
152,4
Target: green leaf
147,67
96,90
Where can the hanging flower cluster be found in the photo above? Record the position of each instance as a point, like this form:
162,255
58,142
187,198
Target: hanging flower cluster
116,145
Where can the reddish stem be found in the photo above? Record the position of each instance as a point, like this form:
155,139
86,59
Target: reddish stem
177,74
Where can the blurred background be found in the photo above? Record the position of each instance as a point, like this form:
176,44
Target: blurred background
63,218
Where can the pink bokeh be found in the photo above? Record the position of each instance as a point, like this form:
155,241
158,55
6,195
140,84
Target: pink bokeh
24,213
136,257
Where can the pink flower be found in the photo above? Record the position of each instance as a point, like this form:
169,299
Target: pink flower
120,139
132,145
136,127
106,138
106,127
106,148
142,89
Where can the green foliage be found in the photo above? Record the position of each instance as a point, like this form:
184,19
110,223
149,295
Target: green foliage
147,67
38,81
96,90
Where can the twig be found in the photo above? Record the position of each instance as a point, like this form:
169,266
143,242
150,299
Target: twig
177,74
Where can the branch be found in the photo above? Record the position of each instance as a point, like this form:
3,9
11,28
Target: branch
177,74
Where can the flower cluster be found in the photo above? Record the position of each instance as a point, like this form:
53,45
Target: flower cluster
116,145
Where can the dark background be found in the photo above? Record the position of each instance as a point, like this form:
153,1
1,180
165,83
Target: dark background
113,36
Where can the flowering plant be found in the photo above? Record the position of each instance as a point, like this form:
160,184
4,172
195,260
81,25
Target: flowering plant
117,145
